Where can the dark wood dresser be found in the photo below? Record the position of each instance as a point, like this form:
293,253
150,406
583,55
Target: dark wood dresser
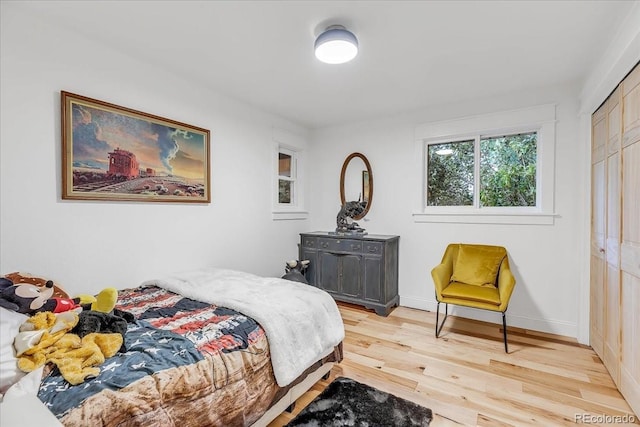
352,268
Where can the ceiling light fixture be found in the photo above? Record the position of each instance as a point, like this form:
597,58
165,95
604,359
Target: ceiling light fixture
336,45
444,152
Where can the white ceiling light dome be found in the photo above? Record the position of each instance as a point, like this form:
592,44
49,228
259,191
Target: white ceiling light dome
336,45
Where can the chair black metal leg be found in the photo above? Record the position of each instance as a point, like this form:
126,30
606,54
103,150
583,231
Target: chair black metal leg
504,331
437,315
439,326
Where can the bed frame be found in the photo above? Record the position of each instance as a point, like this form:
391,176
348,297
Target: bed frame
293,394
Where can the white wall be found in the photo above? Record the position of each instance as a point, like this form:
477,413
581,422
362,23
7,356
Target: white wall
543,256
90,245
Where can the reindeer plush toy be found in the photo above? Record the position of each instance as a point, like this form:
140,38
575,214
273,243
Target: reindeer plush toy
295,270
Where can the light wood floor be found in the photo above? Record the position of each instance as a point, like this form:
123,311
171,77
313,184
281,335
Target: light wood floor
466,378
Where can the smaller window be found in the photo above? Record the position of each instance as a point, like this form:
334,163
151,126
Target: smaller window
287,183
508,170
450,174
286,177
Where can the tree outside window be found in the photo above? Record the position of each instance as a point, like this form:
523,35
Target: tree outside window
508,170
496,171
450,174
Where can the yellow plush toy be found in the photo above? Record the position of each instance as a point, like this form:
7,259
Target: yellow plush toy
104,302
44,338
77,358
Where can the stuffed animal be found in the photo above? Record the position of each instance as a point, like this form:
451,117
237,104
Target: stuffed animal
101,316
91,321
5,283
104,302
29,299
16,277
295,270
76,358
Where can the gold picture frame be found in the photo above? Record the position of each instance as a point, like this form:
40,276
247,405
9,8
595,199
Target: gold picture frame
114,153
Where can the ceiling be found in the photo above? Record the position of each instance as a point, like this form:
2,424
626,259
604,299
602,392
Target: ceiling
413,54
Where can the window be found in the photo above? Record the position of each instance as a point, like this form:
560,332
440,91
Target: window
286,177
288,160
494,168
503,176
508,170
450,174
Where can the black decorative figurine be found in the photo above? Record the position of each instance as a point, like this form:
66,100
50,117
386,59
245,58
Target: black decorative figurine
344,220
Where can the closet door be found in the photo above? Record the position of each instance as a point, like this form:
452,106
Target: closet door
611,357
630,247
598,193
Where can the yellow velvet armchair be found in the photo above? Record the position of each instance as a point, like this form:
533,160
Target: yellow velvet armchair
476,276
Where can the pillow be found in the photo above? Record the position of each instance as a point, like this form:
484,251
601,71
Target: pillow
478,264
20,277
10,322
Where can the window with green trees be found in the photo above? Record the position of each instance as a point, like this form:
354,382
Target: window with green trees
487,171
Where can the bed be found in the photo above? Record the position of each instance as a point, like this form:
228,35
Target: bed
206,348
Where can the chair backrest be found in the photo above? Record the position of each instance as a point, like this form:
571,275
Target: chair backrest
453,248
475,264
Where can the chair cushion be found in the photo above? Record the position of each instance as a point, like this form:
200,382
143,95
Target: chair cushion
486,294
478,264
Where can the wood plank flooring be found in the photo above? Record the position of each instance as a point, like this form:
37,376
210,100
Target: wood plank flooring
466,378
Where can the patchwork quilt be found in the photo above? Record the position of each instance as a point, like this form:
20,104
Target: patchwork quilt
187,363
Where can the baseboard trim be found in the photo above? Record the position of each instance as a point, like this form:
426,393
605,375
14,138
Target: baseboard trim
558,327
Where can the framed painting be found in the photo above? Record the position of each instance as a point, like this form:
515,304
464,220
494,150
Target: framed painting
115,153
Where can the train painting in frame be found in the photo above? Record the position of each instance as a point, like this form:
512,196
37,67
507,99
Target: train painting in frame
114,153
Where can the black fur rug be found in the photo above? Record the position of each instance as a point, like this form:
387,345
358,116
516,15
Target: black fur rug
346,402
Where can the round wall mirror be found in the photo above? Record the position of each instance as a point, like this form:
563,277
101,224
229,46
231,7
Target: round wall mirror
356,182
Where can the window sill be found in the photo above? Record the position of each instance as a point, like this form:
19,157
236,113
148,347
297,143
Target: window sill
289,215
533,218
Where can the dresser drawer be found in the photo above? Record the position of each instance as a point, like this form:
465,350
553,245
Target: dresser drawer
309,242
372,248
340,245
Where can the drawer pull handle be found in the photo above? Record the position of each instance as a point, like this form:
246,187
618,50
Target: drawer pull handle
324,244
355,247
373,249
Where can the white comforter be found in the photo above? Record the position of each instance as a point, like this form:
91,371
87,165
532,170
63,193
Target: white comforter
302,323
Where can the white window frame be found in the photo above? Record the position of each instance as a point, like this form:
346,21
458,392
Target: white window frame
291,146
291,178
540,119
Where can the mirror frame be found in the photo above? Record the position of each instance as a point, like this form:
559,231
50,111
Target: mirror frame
342,175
